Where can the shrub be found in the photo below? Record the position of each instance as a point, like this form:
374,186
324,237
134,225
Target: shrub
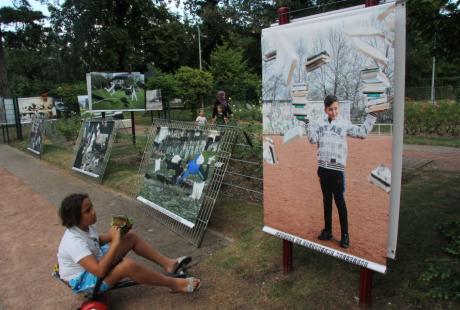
425,118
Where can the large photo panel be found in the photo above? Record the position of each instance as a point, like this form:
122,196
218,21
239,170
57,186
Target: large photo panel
119,91
93,147
31,106
179,171
327,176
37,134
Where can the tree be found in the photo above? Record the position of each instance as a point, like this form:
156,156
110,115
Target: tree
231,73
120,35
24,18
194,84
167,83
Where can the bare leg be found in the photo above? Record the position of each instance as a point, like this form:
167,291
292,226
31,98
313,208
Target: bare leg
132,241
128,268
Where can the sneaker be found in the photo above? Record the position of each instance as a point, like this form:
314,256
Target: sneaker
345,242
325,235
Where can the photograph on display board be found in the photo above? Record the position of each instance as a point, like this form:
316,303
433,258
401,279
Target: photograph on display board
28,107
116,91
83,102
327,177
37,134
93,147
179,170
153,100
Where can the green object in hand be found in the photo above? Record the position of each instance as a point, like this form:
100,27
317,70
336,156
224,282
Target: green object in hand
122,221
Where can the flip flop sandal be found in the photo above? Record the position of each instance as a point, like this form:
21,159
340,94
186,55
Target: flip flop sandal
180,274
182,262
190,287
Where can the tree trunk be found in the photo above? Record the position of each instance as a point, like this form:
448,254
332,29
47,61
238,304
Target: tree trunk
4,92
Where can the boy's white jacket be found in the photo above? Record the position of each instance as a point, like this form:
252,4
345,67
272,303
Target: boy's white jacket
331,138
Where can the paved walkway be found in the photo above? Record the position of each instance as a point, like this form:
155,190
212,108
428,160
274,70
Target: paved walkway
31,193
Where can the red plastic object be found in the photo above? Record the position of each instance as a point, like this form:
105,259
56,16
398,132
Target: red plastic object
283,15
94,305
371,2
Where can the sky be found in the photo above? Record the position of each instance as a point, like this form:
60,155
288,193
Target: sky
36,5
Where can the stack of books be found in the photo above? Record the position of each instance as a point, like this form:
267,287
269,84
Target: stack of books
316,61
299,94
374,86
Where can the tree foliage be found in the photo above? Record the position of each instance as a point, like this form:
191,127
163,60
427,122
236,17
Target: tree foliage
194,86
231,73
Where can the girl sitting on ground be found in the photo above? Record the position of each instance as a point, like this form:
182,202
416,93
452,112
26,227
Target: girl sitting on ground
84,255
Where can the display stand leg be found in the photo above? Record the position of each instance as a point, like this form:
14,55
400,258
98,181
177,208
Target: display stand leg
3,134
365,288
287,256
7,134
133,127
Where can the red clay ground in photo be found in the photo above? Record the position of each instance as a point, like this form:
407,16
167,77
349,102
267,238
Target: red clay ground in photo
293,199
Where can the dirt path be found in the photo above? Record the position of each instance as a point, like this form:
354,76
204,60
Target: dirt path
443,158
31,191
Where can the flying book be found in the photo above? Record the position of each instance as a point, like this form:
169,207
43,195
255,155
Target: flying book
370,51
299,100
365,32
387,12
291,71
374,75
374,101
381,177
373,88
378,107
270,55
269,154
316,61
299,94
293,134
299,87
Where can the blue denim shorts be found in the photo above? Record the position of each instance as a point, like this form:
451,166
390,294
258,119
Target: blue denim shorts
86,281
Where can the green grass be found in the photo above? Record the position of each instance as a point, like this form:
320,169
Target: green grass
114,102
253,262
433,140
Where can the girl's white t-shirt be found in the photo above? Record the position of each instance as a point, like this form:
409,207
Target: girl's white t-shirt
201,120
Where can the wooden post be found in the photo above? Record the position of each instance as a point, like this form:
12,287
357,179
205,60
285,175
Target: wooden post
133,127
17,118
287,256
283,15
365,288
371,2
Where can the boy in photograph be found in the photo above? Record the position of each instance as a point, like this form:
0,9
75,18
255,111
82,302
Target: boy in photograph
330,135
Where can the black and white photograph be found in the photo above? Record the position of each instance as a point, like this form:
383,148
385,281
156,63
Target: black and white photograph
37,134
179,170
94,147
153,100
28,107
119,91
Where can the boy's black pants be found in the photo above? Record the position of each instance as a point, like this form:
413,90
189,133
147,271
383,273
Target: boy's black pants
333,185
